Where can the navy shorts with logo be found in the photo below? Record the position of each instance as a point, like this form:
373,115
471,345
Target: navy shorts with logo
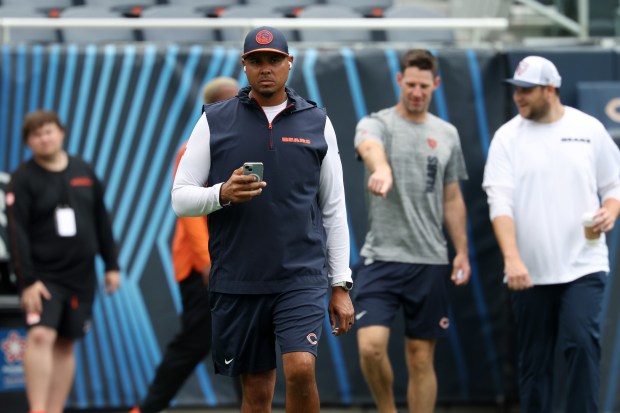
66,312
246,326
381,288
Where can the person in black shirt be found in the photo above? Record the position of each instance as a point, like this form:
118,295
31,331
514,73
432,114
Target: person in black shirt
58,224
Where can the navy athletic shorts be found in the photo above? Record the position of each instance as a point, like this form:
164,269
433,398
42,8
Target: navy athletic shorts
381,288
246,326
66,312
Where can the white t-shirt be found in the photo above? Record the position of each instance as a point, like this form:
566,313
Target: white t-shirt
545,176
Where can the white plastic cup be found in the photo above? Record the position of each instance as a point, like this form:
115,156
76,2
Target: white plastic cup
592,237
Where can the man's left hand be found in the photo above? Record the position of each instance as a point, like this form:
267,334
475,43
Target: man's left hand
603,220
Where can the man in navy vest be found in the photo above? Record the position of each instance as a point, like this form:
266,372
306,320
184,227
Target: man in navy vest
276,243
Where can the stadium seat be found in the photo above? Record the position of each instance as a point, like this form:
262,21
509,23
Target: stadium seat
444,36
130,8
373,8
194,35
38,4
119,3
288,7
94,35
209,7
51,8
327,11
245,11
27,35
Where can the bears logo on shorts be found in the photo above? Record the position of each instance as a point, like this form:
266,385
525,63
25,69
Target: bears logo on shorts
312,339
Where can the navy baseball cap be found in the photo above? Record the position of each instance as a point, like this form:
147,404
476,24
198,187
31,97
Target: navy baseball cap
265,39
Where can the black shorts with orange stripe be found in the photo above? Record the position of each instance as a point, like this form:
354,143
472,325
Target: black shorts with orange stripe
66,312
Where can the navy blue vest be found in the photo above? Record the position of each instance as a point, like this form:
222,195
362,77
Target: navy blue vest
275,242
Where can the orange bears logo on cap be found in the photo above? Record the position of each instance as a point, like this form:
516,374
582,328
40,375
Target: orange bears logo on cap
264,37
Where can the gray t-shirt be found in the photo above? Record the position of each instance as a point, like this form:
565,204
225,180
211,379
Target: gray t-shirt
407,225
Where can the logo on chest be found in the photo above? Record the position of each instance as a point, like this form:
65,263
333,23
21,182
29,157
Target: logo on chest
81,181
287,139
575,139
432,143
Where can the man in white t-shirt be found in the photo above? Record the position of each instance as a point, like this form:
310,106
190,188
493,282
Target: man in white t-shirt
547,167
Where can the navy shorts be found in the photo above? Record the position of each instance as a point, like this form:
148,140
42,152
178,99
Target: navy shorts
381,288
246,326
66,312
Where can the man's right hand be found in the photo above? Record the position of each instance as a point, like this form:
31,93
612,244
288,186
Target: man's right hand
31,297
240,188
381,181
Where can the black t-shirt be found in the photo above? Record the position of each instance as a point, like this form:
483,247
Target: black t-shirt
38,252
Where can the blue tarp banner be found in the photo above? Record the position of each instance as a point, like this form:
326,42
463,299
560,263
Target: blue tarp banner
12,346
128,107
601,100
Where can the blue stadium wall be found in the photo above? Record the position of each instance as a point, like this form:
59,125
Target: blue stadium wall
128,108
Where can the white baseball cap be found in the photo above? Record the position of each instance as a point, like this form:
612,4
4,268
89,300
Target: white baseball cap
535,71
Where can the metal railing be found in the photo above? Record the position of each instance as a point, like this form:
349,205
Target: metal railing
580,27
476,26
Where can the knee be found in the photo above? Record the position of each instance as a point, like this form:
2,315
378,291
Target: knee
421,363
41,337
371,352
582,343
300,374
258,390
257,397
420,357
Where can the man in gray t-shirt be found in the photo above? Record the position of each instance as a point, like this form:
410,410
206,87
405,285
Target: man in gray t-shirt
414,163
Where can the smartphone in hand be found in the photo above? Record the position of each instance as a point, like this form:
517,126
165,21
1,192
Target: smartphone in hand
254,169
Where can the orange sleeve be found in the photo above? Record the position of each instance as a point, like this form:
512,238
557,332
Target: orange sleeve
190,249
197,239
